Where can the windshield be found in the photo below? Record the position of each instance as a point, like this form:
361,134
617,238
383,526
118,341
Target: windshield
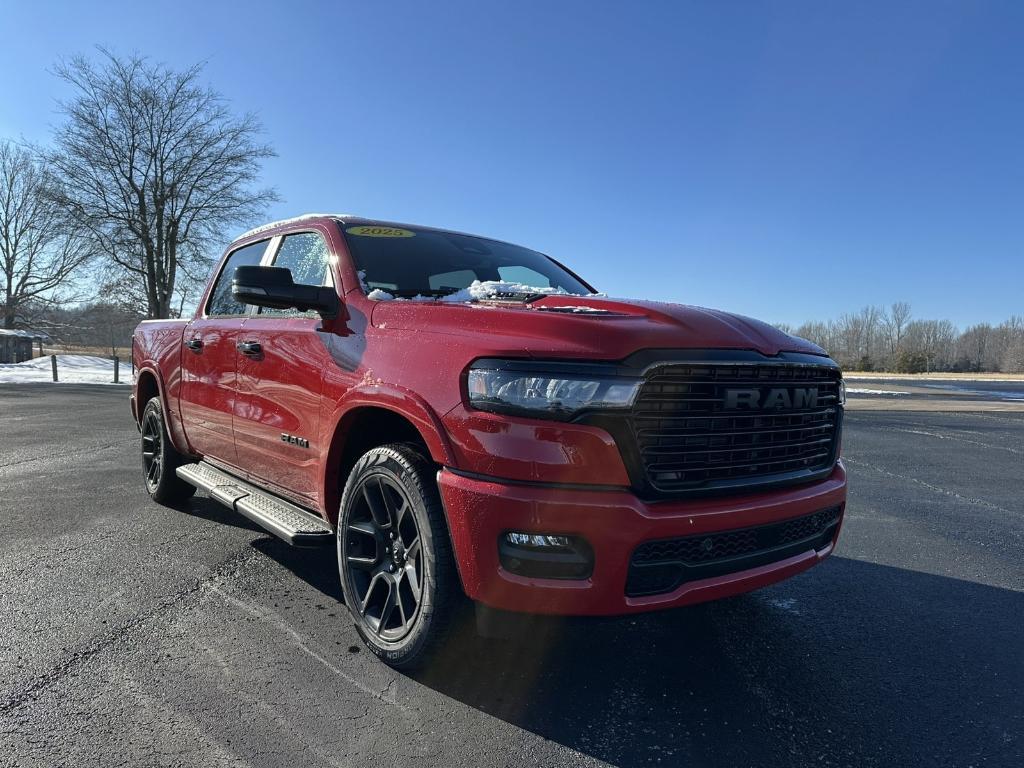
422,262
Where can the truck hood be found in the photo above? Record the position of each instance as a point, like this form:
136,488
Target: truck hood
588,327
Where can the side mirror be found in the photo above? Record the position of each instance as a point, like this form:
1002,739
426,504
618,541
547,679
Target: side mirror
273,287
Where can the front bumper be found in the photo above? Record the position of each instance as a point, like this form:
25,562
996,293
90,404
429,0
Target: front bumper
614,522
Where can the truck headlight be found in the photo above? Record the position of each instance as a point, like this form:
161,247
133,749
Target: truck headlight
842,392
548,390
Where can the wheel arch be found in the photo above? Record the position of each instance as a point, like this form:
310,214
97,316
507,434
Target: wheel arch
368,423
149,384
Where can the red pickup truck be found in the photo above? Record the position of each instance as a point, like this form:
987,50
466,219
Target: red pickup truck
463,416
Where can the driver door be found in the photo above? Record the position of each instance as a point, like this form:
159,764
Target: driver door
209,363
283,354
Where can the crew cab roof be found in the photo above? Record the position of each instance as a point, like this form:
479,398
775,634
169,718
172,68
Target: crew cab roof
345,219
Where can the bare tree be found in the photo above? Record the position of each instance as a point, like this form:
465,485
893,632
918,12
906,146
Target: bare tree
895,322
39,250
851,332
973,348
870,318
934,339
154,167
1012,343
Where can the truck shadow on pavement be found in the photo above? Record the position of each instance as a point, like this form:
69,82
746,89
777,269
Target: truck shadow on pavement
205,508
851,663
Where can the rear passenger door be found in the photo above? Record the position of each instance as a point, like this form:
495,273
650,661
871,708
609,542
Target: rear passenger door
280,375
208,362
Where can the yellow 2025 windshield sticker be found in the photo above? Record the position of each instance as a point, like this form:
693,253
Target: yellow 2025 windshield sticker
380,232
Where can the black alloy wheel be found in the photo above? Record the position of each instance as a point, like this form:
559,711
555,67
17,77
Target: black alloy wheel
152,449
384,557
160,458
398,575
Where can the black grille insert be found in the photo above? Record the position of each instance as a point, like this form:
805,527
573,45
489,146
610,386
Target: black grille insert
702,426
661,566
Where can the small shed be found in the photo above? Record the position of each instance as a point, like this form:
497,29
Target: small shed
16,345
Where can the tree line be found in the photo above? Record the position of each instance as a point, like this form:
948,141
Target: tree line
891,339
146,172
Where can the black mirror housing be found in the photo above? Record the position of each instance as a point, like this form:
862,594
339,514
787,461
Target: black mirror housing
273,287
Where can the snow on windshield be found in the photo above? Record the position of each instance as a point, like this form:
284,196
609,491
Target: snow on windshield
487,289
477,291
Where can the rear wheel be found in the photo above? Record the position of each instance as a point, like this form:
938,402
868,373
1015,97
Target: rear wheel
394,556
160,458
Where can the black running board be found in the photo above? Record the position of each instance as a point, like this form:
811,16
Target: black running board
281,518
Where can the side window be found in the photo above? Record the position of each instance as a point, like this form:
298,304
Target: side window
525,276
221,301
306,255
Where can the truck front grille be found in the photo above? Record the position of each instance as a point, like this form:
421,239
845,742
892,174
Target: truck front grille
725,425
661,566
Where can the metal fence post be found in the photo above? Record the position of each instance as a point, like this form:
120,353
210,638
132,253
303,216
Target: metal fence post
117,365
53,364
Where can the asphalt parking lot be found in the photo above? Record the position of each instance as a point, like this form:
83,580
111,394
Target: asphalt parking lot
133,634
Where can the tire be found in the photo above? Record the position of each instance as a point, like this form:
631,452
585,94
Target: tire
397,572
160,458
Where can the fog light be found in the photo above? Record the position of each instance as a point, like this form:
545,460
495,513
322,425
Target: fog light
545,556
536,540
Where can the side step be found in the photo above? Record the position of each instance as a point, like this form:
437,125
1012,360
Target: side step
281,518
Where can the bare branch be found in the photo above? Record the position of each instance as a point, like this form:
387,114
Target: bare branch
154,168
40,249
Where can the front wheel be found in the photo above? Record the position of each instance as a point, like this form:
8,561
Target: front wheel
160,458
394,556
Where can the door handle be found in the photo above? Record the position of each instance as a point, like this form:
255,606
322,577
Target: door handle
194,344
251,348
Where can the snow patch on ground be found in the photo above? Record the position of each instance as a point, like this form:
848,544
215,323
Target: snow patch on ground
989,393
787,604
859,391
71,369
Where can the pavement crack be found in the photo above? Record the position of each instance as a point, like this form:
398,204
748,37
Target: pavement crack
29,691
957,438
929,486
67,454
273,620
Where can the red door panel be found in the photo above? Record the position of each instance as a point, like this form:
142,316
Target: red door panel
208,390
279,398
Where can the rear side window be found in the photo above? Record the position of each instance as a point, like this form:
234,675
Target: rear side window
221,301
306,255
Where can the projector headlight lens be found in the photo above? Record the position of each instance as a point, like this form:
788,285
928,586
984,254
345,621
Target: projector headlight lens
548,392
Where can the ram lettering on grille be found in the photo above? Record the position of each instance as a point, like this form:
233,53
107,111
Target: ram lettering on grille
774,399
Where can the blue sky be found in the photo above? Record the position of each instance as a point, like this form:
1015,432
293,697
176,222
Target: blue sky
784,160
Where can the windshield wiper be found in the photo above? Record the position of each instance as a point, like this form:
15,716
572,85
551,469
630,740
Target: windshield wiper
411,293
497,295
